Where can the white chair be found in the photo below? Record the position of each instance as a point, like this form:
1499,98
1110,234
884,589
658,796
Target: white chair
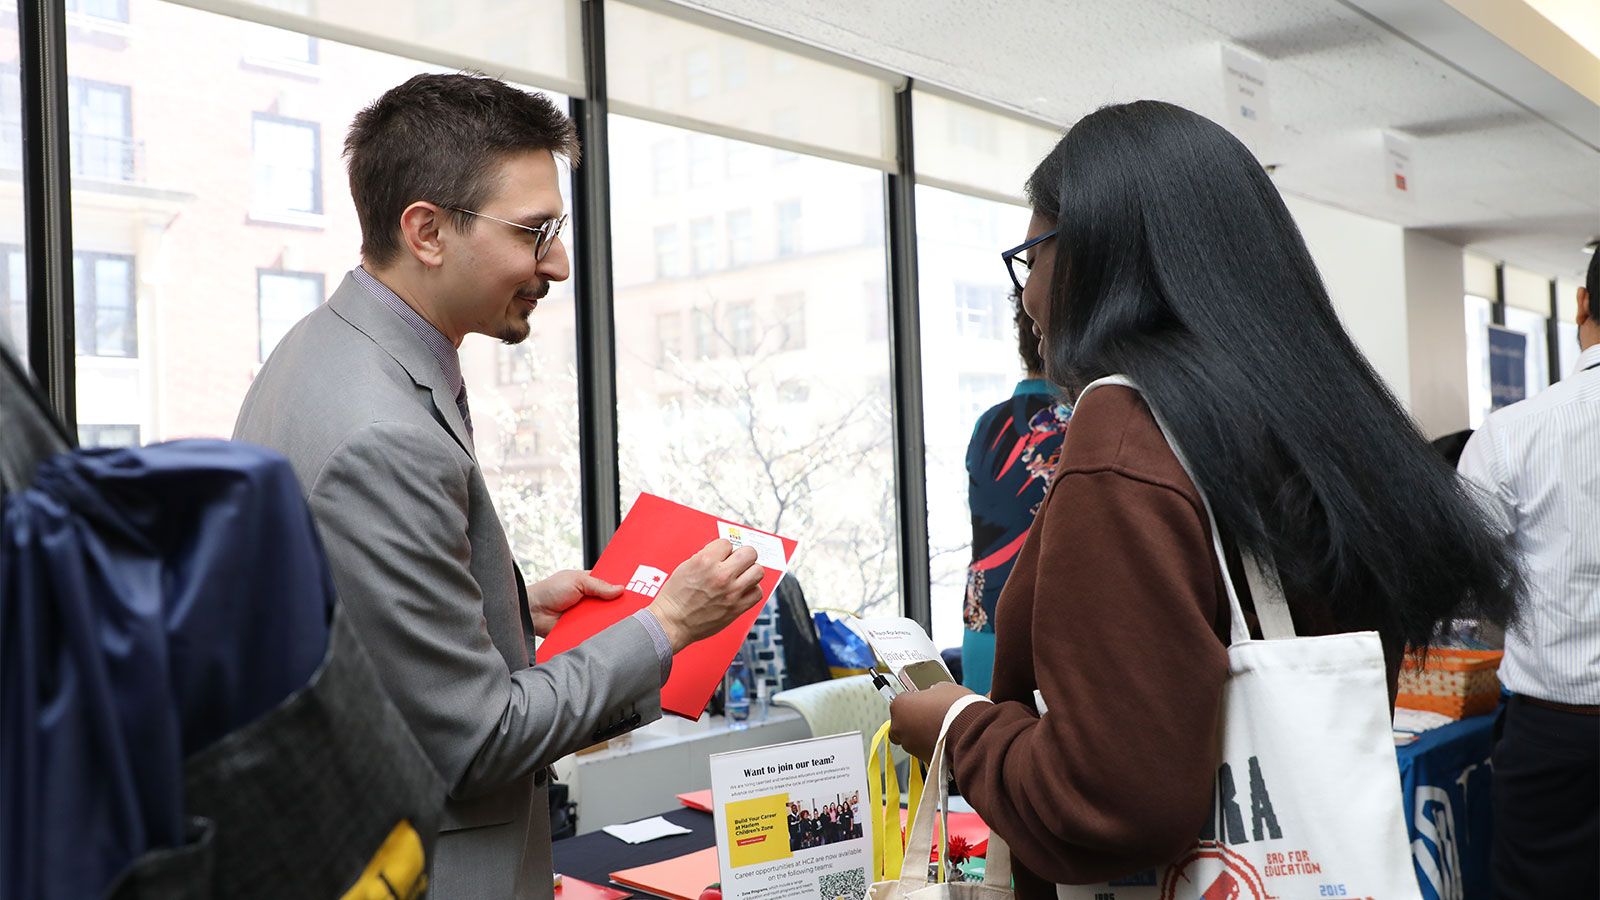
840,705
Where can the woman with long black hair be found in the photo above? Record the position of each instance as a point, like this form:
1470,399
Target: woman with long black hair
1160,250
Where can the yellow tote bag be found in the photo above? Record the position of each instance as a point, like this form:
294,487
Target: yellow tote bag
883,798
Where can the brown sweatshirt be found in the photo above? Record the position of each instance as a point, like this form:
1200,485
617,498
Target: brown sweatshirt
1116,613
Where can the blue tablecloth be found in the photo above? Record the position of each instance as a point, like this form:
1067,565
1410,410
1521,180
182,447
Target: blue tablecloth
1445,778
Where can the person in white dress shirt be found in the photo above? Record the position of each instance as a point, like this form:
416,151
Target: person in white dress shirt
1539,464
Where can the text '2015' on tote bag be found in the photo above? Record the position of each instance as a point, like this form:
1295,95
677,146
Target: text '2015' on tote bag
1307,800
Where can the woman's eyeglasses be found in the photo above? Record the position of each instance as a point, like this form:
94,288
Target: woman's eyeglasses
1016,265
544,236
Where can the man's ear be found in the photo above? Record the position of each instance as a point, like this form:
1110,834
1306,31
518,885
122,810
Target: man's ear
1583,305
420,225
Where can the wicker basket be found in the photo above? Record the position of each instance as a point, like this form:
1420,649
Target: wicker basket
1457,683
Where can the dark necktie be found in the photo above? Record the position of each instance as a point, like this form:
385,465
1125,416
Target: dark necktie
461,406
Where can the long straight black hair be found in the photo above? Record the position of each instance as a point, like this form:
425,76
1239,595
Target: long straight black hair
1178,265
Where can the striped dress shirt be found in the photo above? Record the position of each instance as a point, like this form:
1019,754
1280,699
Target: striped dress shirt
1538,462
444,352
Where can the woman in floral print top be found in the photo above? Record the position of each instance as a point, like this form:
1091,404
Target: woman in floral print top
1014,448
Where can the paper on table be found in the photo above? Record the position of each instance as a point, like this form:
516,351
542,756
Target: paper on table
1416,721
645,830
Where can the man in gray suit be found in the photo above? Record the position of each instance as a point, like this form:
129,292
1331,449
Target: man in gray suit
455,183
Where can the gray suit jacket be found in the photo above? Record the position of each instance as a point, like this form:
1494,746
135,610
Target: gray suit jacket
357,403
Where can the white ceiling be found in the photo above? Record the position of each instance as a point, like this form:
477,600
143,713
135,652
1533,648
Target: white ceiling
1491,173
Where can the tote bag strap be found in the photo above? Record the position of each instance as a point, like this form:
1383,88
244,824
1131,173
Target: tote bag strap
935,803
883,802
1266,589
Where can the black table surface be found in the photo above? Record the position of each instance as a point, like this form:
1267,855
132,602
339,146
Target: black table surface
594,856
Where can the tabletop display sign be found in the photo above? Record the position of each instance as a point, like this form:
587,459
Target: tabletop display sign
790,820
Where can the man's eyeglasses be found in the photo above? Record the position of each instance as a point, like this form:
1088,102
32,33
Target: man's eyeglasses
1016,265
544,236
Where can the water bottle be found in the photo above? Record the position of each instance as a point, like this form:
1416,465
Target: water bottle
738,693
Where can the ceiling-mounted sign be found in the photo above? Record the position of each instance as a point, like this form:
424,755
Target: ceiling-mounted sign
1399,168
1246,97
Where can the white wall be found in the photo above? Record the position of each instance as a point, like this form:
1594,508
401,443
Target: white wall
1399,294
1362,261
1436,334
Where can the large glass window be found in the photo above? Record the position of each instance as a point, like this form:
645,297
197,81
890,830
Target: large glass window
284,298
190,286
1567,343
754,421
14,299
970,363
1538,359
13,265
110,10
1479,313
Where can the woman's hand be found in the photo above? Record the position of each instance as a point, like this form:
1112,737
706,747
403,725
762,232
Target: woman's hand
915,717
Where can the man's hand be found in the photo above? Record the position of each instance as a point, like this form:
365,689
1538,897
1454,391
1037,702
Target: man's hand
915,717
549,598
706,593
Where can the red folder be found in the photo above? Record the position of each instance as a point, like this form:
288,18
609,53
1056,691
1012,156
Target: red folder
573,889
700,800
655,537
682,878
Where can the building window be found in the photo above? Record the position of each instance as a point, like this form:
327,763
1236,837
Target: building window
669,255
107,322
698,67
513,364
281,44
112,10
14,299
742,328
791,316
735,73
789,228
664,167
282,299
703,153
702,245
10,118
741,238
108,435
977,393
288,165
877,305
669,336
705,334
102,130
982,312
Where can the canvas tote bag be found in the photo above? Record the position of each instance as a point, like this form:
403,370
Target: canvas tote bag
913,882
1307,800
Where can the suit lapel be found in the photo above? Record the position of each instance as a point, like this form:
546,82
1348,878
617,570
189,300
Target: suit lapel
367,314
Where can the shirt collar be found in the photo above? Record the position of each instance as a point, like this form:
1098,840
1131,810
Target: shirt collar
1033,386
1589,357
443,351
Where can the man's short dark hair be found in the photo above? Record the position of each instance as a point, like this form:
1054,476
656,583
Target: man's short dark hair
441,138
1592,284
1027,341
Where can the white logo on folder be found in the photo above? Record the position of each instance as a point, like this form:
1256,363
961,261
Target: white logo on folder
647,580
